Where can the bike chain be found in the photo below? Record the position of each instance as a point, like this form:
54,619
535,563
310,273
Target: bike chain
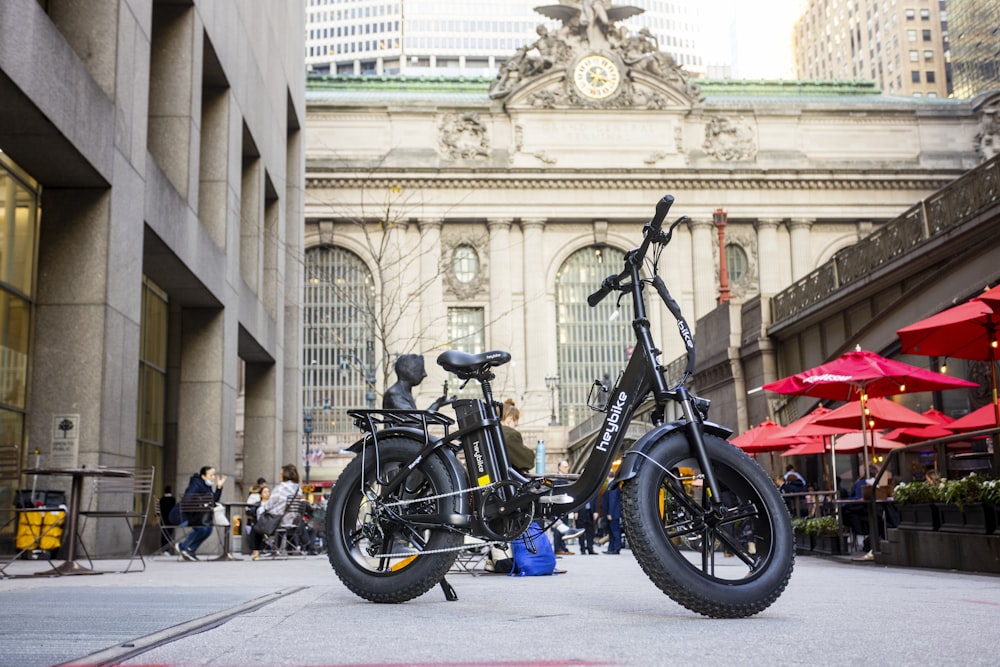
462,547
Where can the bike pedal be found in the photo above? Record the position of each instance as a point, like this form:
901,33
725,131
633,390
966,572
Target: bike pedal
557,499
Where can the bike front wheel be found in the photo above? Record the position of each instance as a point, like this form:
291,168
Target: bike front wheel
383,546
732,562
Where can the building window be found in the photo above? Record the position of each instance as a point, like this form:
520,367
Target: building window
338,338
736,262
929,76
914,56
915,76
465,263
926,35
928,55
925,15
152,400
19,224
910,15
592,343
911,35
467,333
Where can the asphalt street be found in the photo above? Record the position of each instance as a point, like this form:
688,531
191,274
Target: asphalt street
602,612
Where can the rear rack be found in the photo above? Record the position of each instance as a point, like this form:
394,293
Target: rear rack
369,420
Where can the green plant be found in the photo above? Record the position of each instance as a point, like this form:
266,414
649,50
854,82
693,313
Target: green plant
799,524
915,493
991,491
823,525
961,492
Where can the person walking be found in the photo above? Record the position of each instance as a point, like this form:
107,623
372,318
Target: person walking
586,519
611,508
205,483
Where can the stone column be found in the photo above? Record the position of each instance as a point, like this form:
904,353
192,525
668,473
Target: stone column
768,255
541,358
501,334
706,277
433,317
801,252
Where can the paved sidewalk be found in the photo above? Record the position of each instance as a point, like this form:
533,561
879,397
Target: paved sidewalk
604,611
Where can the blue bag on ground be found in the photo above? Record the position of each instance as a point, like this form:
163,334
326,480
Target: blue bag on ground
527,564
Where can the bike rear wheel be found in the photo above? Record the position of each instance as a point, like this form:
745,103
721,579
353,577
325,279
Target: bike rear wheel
729,564
375,544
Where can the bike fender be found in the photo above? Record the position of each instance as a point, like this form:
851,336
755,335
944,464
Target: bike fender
447,457
633,458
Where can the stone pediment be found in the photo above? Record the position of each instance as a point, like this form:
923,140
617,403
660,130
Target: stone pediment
590,62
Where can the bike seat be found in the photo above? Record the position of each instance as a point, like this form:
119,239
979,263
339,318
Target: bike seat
466,365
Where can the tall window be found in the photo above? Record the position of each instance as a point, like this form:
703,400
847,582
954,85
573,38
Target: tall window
19,220
593,343
466,332
339,358
153,332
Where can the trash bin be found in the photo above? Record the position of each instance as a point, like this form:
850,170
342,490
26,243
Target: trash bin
39,532
40,522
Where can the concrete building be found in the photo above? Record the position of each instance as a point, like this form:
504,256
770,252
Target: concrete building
150,237
459,38
901,46
479,215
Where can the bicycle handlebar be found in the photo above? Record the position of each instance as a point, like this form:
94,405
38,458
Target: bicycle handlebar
652,231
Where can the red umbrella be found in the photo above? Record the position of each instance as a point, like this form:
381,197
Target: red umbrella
806,427
917,433
757,438
966,331
877,413
974,421
852,442
813,447
861,374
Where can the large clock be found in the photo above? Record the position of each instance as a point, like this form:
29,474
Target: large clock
596,77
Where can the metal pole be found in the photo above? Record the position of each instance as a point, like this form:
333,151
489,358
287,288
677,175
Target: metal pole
307,428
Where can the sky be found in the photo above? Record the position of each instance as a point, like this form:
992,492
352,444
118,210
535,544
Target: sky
755,37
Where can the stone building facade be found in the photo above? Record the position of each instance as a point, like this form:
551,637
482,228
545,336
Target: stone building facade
539,176
156,149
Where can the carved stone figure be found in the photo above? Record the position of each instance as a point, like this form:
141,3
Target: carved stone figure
463,137
729,140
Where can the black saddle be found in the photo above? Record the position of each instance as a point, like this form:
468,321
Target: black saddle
466,365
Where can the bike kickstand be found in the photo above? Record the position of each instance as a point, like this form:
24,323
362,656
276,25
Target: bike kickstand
449,593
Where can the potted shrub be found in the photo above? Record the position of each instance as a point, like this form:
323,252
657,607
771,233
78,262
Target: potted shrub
917,504
803,541
827,535
963,510
991,498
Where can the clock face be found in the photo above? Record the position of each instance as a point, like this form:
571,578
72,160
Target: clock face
596,77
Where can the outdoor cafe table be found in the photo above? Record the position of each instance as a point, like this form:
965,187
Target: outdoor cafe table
228,539
70,566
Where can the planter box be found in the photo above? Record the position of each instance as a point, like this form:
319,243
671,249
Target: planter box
830,544
973,518
803,542
919,516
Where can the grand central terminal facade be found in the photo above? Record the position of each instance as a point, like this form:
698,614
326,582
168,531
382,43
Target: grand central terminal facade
478,214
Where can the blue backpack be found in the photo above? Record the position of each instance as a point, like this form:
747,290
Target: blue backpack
527,564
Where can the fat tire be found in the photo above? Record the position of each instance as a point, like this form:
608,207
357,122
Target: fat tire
362,576
662,558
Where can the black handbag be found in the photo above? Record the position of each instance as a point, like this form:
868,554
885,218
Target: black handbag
266,524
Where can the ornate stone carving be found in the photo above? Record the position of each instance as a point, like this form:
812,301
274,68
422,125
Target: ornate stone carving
591,61
478,242
463,137
729,140
988,136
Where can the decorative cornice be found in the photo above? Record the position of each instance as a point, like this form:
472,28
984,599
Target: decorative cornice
498,182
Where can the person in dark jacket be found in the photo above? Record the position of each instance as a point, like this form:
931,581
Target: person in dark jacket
611,508
205,483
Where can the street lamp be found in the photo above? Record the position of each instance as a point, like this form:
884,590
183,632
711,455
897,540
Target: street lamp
552,383
307,428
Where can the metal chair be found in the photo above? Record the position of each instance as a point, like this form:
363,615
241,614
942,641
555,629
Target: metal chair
196,504
124,498
472,559
289,538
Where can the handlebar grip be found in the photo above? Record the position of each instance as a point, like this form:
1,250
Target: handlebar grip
599,295
662,208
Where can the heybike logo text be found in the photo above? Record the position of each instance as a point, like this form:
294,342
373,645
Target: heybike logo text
614,422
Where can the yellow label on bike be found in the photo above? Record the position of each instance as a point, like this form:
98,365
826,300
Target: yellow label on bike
484,480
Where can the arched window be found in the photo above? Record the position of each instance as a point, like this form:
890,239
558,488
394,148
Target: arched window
338,338
736,262
593,343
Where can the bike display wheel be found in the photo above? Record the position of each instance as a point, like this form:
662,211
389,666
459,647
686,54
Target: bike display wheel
731,563
377,548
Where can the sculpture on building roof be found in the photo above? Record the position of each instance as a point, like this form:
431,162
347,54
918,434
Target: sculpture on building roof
591,61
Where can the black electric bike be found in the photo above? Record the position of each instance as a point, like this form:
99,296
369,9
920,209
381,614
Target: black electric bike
701,517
